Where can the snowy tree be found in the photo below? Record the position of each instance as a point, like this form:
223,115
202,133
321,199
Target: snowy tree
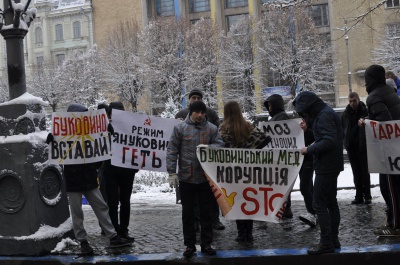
387,53
80,77
170,109
161,58
291,46
121,64
3,90
101,99
200,49
45,83
237,64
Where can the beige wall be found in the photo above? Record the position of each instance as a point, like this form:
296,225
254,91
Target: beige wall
108,14
362,40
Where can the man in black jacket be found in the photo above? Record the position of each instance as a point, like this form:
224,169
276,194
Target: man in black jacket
119,185
276,109
327,152
356,146
384,105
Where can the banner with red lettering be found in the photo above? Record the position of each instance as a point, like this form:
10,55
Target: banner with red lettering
284,134
251,183
140,141
79,137
383,146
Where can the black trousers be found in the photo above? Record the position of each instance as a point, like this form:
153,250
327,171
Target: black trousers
326,206
189,192
390,189
119,182
359,166
306,175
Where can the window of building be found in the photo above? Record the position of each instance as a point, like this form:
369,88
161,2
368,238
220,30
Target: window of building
393,3
231,20
236,3
393,30
59,32
266,1
165,7
38,35
77,29
39,60
60,58
199,6
320,15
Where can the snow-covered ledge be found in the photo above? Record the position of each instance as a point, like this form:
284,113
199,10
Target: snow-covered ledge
26,99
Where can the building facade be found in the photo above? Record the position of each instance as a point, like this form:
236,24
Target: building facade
363,38
61,27
109,14
225,13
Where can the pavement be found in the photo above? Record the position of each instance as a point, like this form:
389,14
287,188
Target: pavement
158,240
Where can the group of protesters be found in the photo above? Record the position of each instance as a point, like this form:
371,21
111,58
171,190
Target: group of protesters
325,134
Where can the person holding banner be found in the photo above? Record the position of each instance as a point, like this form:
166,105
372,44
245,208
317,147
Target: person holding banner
211,116
81,179
276,109
193,184
327,152
384,105
356,146
236,132
119,185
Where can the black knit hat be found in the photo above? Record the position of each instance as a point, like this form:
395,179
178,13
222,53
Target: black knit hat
195,92
115,105
197,106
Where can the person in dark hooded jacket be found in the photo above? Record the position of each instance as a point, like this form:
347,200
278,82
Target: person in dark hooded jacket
327,152
384,105
119,185
356,146
81,179
276,109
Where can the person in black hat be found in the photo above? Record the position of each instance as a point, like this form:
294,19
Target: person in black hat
81,179
211,116
276,109
327,151
119,185
193,185
197,95
384,105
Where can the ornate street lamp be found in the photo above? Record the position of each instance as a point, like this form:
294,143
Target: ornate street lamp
32,193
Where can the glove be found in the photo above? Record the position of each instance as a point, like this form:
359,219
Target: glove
172,178
50,138
110,128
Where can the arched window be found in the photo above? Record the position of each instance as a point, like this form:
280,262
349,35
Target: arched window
59,32
77,29
38,35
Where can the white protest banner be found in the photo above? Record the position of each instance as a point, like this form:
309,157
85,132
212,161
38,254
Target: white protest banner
140,141
284,134
79,137
251,183
383,146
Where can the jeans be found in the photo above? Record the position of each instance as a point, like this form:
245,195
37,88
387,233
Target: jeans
326,206
189,193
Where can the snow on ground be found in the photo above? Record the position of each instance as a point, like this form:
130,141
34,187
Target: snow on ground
153,195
